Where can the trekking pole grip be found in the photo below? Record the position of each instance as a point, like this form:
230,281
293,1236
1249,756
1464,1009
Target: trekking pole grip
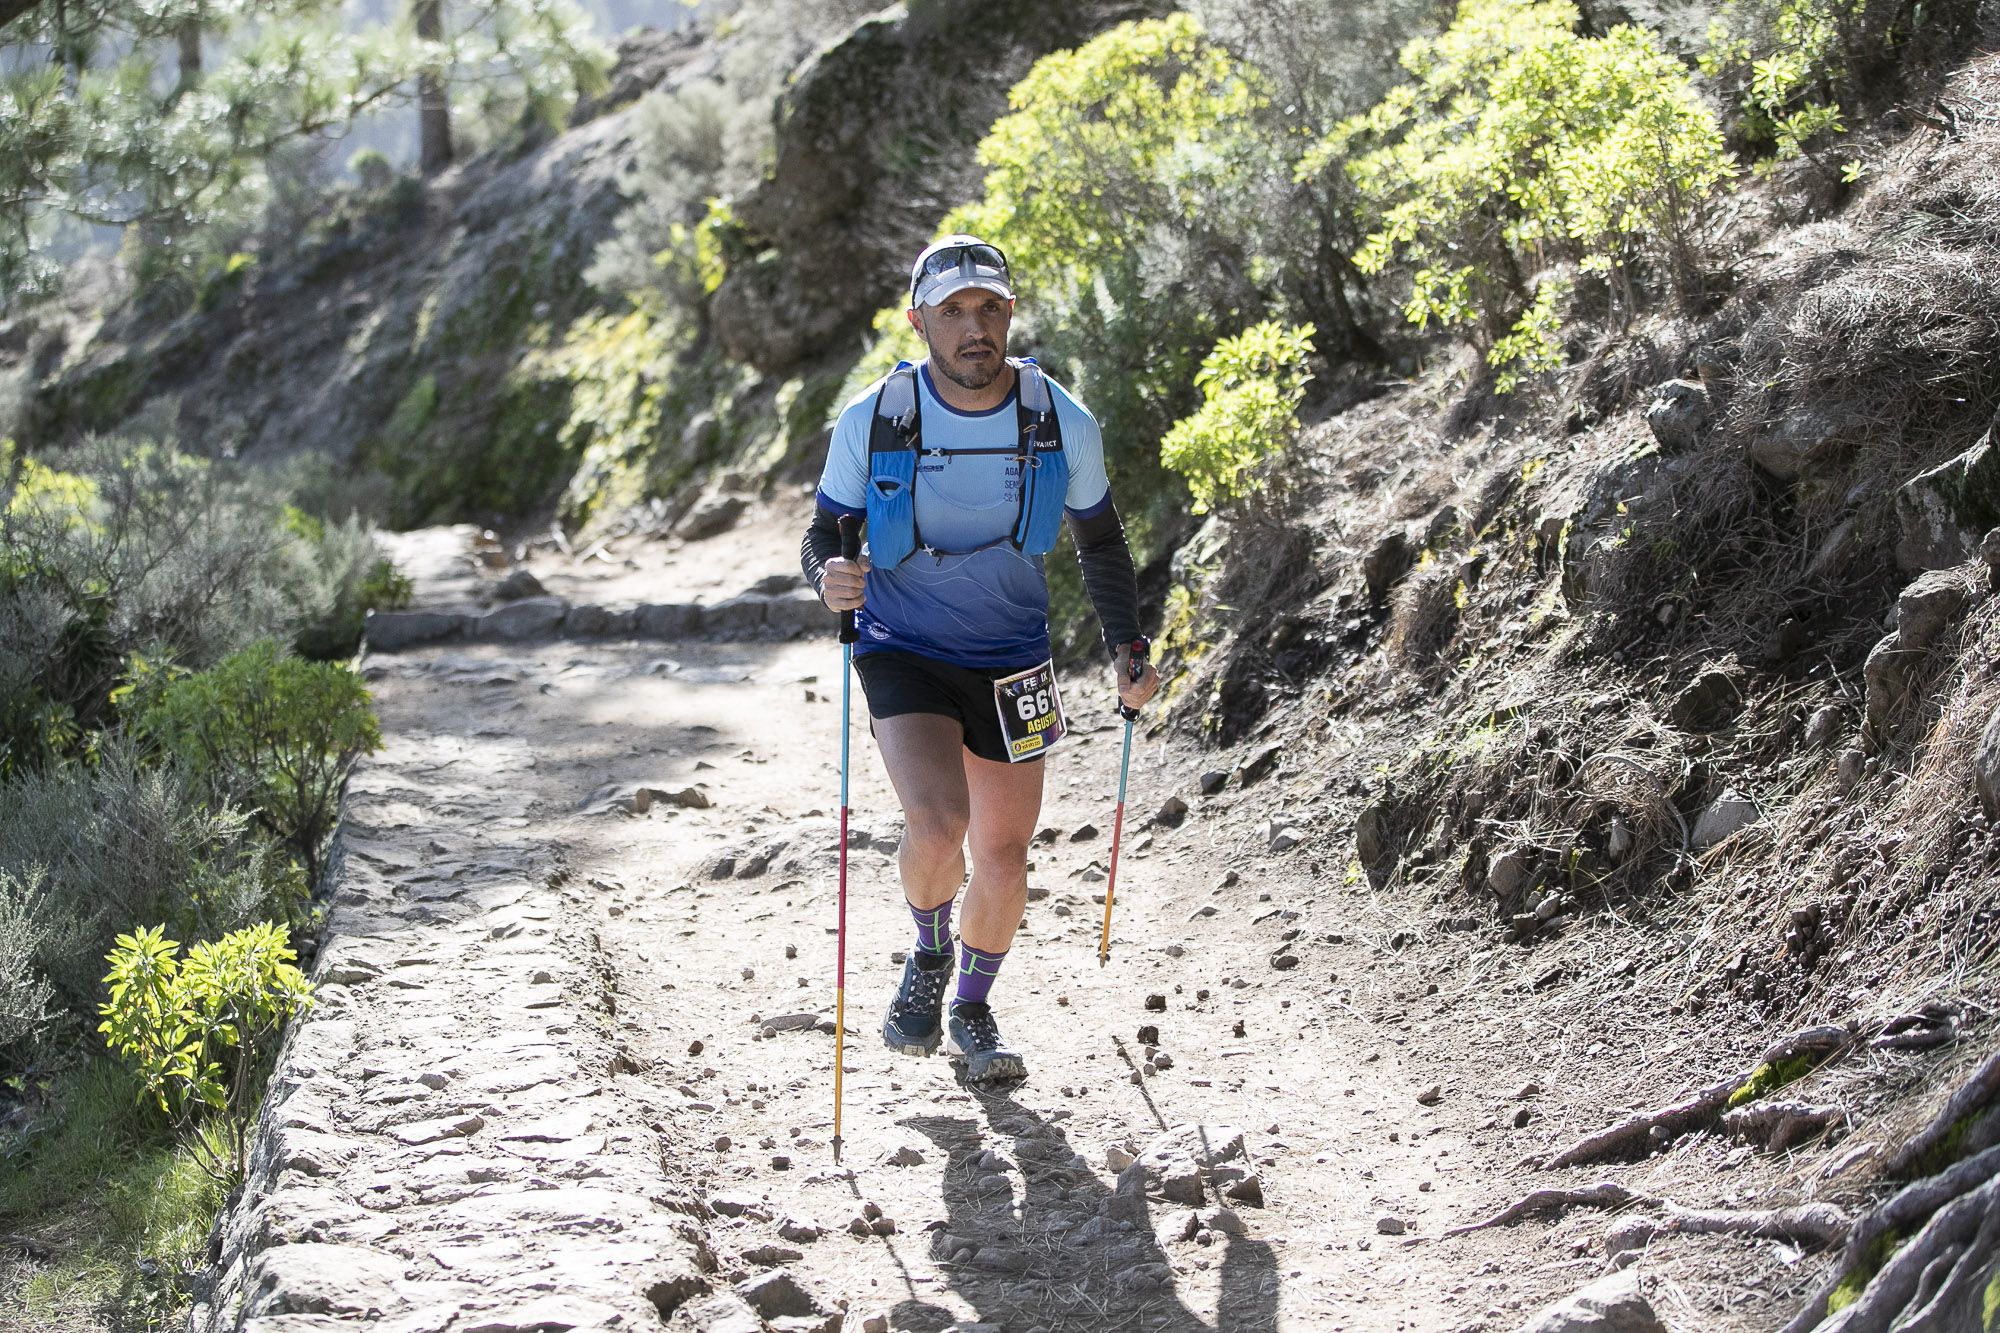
850,549
1135,670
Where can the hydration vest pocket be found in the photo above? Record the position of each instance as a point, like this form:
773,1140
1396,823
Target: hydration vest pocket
892,507
1044,488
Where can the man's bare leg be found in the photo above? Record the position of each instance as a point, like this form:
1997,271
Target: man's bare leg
922,753
1006,800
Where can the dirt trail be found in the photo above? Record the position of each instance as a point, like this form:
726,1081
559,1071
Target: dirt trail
710,931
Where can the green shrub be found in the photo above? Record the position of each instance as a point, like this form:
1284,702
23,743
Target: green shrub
130,547
199,1033
1253,384
371,169
1789,65
25,993
276,734
92,848
358,579
1519,146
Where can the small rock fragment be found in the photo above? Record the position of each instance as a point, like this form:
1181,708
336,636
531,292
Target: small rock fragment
1388,1224
521,583
798,1231
1431,1095
1156,1004
1609,1305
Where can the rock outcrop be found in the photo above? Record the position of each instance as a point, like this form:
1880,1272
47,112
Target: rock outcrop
875,144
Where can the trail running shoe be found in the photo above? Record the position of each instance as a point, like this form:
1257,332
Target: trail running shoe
988,1058
914,1024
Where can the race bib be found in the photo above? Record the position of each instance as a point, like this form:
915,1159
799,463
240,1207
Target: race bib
1031,716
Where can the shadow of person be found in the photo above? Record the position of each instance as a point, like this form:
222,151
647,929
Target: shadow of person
1033,1240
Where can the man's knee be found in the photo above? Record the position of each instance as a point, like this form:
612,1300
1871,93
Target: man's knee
1000,852
934,829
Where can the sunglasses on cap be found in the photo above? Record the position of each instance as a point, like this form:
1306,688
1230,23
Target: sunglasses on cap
974,259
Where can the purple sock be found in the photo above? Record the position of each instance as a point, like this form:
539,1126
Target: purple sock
933,928
976,970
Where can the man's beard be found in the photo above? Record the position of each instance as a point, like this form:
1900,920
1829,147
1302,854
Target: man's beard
971,378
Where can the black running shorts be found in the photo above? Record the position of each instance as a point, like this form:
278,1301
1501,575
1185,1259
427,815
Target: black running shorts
899,683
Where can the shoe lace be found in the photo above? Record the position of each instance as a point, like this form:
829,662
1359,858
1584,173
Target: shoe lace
924,989
978,1022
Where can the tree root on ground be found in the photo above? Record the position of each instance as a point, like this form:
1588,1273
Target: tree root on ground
1922,1029
1816,1224
1638,1131
1977,1093
1602,1195
1939,1280
1778,1125
1926,1261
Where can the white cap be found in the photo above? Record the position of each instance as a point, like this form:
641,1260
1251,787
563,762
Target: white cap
939,272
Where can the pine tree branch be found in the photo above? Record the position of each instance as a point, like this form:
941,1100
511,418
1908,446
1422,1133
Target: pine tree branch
13,9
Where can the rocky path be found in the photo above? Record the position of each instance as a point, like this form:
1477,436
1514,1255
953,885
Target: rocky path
571,1066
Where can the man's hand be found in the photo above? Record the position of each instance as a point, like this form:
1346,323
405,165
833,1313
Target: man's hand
845,584
1132,693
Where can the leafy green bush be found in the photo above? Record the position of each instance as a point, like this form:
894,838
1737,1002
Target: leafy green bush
357,577
25,993
1252,384
371,169
128,547
200,1032
93,847
1788,65
1518,146
276,734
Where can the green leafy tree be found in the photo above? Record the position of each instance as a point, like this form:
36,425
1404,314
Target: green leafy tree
92,130
86,132
1520,146
1252,385
274,733
200,1032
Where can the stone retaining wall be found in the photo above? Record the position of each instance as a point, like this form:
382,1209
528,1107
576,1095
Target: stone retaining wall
747,617
450,1140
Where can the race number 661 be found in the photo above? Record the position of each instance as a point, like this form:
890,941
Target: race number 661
1032,706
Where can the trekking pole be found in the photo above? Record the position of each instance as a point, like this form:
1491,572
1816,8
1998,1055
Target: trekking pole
850,549
1135,668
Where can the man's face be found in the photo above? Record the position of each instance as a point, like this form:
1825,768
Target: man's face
967,335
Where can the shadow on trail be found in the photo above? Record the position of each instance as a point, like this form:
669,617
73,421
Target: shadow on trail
1064,1253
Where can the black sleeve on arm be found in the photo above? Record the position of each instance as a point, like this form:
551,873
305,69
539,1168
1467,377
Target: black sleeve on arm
820,544
1107,574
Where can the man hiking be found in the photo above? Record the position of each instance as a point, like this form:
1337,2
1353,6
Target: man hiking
964,467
